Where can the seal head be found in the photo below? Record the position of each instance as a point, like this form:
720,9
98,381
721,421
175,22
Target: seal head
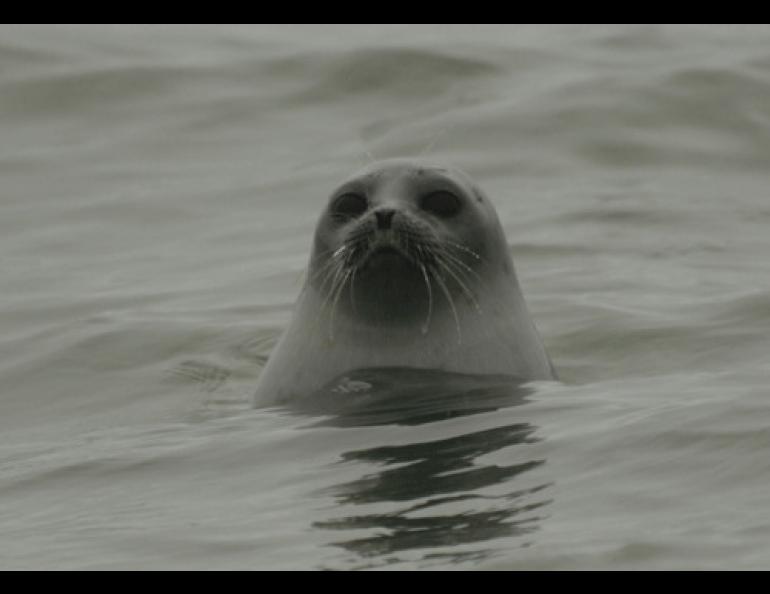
409,268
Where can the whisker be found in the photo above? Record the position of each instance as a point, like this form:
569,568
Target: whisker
460,263
426,325
352,290
464,248
333,286
330,275
331,270
451,304
334,260
355,235
463,286
339,291
325,273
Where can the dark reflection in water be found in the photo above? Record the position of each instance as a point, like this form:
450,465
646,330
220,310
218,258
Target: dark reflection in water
403,396
437,493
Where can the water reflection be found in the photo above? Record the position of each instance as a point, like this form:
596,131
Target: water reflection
403,396
438,498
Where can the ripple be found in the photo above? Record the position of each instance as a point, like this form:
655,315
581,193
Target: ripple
396,73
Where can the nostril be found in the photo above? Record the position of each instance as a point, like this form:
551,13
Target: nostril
384,217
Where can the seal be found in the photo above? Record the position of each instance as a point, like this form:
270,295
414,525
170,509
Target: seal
410,268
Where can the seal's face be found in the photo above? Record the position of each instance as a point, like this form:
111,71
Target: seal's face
398,234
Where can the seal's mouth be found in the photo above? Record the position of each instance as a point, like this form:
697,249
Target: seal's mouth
384,250
401,247
384,254
401,274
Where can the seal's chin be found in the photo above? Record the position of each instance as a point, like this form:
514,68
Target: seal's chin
388,289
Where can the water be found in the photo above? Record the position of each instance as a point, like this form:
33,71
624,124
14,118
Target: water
160,185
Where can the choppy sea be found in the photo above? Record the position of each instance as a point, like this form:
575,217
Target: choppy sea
159,186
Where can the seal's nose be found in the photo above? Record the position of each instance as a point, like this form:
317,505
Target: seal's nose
384,217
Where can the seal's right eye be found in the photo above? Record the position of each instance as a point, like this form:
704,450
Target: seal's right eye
349,206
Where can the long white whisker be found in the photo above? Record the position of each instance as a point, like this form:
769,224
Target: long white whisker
426,325
352,290
463,286
459,262
331,275
328,273
448,295
466,249
328,266
339,291
333,287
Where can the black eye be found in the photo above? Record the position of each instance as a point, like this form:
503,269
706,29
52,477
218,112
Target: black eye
349,206
441,203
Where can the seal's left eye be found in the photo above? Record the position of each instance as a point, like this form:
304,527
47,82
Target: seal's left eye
443,204
349,206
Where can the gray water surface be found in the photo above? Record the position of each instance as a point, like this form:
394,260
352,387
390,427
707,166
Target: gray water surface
159,190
